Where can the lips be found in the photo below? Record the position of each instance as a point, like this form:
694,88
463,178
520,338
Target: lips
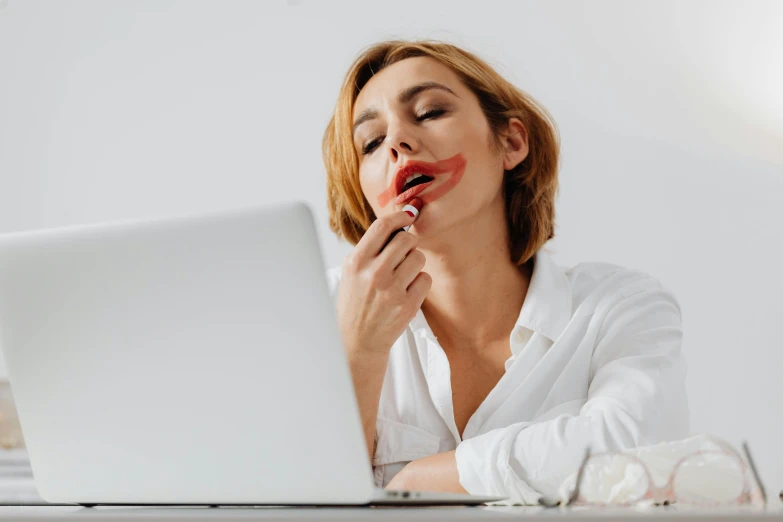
415,167
412,192
446,173
431,170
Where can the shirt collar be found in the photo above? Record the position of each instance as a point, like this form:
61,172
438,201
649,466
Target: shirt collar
547,305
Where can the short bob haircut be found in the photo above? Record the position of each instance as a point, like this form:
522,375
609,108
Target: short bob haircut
529,189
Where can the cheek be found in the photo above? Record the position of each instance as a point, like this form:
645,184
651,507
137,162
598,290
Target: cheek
364,185
367,180
371,187
468,128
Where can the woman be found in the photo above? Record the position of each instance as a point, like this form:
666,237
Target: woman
479,364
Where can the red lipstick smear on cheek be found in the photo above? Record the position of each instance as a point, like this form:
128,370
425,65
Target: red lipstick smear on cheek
452,170
457,164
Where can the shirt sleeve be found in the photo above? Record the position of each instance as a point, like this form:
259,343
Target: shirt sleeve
636,396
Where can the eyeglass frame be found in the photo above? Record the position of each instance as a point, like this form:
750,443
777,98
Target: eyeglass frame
656,493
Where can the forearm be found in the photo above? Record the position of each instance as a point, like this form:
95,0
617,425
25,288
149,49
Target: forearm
368,371
434,473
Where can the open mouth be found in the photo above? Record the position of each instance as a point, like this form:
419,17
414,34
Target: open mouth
417,176
414,187
415,179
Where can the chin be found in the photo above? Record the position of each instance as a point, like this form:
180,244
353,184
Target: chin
430,220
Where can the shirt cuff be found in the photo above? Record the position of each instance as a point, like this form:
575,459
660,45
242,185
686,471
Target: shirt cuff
484,469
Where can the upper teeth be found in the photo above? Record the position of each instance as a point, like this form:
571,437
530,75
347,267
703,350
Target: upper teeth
411,178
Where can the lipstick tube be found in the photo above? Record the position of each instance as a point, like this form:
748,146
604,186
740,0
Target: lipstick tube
413,208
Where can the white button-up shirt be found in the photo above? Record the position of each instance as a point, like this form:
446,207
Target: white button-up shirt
595,360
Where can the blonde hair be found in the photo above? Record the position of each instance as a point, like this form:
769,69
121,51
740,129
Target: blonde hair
529,189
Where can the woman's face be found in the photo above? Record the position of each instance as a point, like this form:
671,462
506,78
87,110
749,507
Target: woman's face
416,116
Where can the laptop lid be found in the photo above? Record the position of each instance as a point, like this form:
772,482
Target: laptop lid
189,360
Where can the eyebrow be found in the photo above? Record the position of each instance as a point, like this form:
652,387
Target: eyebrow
405,96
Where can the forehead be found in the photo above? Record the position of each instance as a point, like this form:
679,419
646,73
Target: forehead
386,85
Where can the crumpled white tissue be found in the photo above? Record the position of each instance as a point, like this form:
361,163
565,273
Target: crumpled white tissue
660,459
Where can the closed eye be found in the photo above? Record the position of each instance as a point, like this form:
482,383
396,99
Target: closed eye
426,116
430,114
371,146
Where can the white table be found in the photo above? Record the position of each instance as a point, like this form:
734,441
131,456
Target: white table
407,514
16,484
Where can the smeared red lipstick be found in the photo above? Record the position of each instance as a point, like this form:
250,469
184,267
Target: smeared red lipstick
445,173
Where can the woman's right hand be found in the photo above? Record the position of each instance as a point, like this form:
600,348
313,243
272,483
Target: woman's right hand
381,288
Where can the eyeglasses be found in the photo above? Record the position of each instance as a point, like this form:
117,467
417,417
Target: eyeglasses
714,478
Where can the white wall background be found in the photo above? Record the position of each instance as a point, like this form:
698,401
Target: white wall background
671,117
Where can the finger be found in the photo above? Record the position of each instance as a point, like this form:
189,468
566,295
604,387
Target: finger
378,233
409,268
394,253
392,236
418,289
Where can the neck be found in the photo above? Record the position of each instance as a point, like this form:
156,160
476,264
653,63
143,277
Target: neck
477,291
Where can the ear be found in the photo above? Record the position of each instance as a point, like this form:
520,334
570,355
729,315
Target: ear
515,144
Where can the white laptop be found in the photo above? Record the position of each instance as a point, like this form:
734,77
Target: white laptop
189,360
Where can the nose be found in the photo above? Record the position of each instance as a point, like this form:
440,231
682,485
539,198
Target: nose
400,142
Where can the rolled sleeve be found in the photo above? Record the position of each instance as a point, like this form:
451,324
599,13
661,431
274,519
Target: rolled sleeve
636,396
484,468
